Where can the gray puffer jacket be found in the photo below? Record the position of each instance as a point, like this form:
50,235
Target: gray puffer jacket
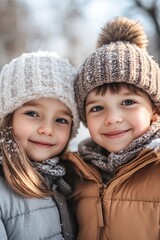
32,218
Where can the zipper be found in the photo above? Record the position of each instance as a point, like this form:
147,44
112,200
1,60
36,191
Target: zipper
101,187
100,206
102,191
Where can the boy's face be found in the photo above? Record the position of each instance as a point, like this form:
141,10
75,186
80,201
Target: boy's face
116,119
42,127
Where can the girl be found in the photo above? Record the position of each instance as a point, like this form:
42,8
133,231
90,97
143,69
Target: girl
38,118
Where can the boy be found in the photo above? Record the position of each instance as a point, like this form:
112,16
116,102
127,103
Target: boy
118,95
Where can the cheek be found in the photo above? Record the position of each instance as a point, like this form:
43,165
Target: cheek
142,121
20,131
19,135
146,116
93,126
143,124
64,135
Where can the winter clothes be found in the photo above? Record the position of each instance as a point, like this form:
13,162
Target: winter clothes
29,77
37,218
121,56
121,201
117,194
127,208
37,75
109,162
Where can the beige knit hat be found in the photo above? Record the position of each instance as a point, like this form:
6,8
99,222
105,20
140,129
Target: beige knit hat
121,56
35,75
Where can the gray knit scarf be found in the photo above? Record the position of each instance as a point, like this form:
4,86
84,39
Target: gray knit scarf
50,167
109,162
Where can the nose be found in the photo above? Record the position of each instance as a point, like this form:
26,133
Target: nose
46,128
113,117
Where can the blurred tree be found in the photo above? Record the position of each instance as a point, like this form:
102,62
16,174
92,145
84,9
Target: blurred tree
69,23
150,10
153,12
16,29
65,28
13,32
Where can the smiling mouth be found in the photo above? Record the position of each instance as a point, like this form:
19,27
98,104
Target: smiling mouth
42,144
115,134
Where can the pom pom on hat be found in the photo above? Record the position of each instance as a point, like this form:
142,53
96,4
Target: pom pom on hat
36,75
123,29
121,56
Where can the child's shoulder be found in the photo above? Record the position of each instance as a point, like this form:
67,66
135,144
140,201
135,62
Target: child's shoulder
4,189
6,196
3,184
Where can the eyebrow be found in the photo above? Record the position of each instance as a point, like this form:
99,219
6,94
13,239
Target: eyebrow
66,113
30,104
35,104
128,93
125,94
90,102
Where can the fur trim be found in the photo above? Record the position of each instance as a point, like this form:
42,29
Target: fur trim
123,29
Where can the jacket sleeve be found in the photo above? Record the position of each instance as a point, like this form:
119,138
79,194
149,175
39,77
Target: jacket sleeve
3,235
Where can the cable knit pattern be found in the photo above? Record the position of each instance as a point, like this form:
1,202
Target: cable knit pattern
36,75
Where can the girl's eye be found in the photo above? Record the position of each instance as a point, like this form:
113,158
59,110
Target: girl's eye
128,102
61,120
32,114
97,109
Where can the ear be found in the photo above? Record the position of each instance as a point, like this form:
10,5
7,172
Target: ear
155,115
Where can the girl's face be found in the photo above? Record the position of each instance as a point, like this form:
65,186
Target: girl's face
42,127
116,119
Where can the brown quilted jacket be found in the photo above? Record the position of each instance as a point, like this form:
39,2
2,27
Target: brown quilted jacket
128,208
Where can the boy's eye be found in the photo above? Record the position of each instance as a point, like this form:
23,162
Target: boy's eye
128,102
96,109
32,114
61,120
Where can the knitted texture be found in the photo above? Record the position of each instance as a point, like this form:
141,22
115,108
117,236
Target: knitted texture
35,75
110,162
121,56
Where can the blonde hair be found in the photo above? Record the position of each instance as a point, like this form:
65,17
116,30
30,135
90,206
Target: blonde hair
17,168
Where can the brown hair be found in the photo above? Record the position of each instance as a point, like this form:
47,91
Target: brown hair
17,168
117,87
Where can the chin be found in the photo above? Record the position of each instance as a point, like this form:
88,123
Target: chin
38,159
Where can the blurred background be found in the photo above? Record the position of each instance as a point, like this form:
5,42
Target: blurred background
69,27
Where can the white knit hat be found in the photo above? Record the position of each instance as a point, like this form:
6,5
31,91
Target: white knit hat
35,75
